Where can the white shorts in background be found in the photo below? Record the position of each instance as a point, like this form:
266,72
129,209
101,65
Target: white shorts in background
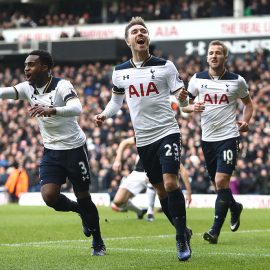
135,183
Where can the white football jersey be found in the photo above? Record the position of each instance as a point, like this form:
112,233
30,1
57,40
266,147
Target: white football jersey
218,120
58,133
147,89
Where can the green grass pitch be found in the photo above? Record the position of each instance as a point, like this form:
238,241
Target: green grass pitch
39,238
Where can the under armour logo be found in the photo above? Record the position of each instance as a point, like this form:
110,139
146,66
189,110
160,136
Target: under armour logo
85,177
204,86
191,48
153,75
126,77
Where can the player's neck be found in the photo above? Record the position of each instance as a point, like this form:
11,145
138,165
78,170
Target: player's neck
218,72
43,81
140,56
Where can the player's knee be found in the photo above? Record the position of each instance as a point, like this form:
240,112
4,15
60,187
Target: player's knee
118,203
118,207
170,186
49,198
115,207
222,183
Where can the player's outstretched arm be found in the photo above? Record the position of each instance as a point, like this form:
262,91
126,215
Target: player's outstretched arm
122,146
111,109
8,93
247,114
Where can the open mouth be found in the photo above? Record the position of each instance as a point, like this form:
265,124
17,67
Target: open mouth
141,41
28,77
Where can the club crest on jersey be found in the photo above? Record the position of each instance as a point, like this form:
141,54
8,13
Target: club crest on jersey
50,98
142,91
125,77
153,75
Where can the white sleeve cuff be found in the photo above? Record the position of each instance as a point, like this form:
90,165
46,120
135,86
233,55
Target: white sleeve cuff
73,108
113,106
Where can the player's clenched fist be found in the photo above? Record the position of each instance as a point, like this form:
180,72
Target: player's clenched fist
242,126
199,107
182,94
39,110
99,119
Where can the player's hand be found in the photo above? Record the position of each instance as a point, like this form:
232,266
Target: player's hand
242,126
116,166
199,107
188,199
38,110
182,94
99,119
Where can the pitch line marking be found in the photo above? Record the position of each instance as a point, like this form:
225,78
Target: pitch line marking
162,251
117,238
196,253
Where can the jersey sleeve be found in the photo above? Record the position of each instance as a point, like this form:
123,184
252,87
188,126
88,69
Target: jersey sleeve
21,90
243,88
117,89
192,87
173,78
67,91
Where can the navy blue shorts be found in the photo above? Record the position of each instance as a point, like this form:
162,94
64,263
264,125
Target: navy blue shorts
58,165
221,156
160,157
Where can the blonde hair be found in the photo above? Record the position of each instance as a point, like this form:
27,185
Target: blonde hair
134,21
220,43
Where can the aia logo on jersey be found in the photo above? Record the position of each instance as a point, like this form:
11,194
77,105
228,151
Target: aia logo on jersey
142,91
215,99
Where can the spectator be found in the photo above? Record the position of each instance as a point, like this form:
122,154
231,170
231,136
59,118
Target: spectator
17,182
3,176
234,184
102,147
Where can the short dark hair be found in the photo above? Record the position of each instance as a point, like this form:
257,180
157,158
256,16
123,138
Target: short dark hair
134,21
44,57
219,43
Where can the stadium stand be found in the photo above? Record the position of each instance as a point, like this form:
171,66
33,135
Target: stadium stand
63,13
92,81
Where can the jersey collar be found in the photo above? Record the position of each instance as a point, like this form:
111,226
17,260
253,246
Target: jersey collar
220,77
144,62
47,87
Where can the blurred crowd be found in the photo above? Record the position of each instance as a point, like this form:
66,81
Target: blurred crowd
21,143
64,13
